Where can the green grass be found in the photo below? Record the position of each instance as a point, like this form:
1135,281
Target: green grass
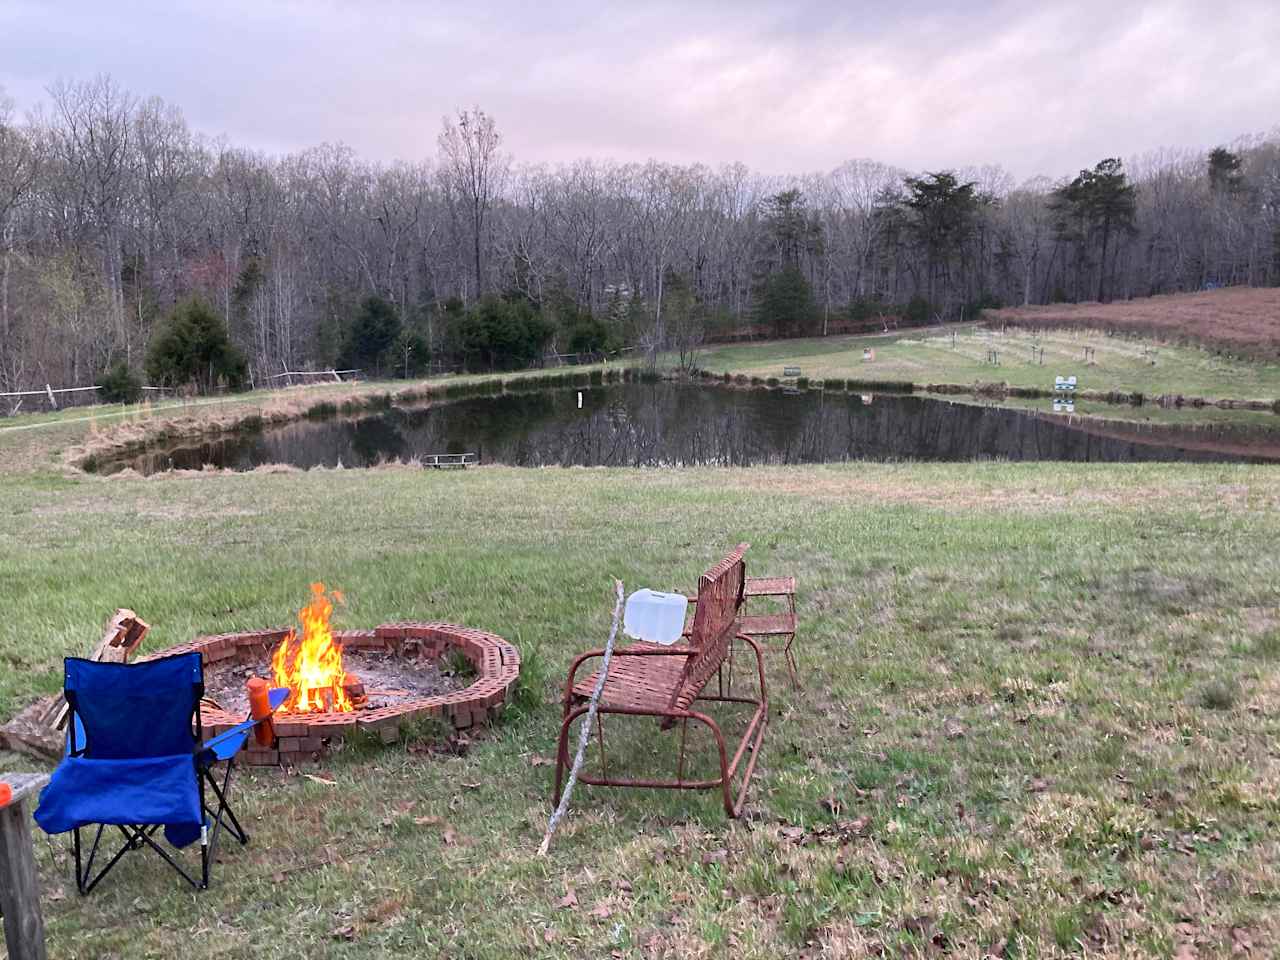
1041,708
930,356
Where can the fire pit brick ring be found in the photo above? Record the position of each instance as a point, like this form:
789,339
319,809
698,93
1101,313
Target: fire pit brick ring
306,737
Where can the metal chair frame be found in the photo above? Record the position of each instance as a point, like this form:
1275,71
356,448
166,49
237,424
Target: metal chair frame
670,697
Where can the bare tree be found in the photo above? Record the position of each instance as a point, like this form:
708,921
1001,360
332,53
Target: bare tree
112,210
476,170
17,177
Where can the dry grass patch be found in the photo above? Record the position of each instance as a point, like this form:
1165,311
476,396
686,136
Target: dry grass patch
1243,320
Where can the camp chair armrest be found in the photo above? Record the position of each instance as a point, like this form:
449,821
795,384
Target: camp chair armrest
227,744
672,651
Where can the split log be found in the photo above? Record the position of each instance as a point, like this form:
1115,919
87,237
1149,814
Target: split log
37,730
125,630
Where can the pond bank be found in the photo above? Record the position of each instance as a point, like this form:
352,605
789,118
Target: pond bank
131,439
992,390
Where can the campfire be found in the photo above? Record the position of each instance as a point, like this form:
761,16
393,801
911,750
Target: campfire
311,666
405,670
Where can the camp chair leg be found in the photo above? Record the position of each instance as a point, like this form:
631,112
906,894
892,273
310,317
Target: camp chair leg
204,850
206,855
136,837
232,825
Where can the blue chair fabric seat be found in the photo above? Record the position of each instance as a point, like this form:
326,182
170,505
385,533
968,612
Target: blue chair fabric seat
136,761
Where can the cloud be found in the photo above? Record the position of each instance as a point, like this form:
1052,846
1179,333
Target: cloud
1040,88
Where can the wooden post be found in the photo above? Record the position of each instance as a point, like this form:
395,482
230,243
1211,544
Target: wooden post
52,402
19,888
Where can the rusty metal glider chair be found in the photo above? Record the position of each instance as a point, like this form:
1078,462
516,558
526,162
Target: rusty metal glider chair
649,680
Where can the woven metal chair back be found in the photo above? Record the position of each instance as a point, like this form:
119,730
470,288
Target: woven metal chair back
714,624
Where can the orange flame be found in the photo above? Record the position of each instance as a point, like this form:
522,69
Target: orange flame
312,669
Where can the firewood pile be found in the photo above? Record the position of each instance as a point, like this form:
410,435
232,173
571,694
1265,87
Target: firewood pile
39,730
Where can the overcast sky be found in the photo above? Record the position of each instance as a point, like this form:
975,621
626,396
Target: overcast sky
1040,86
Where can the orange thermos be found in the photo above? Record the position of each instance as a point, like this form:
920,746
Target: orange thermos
260,710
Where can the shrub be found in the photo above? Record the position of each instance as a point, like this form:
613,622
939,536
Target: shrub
119,384
321,410
784,303
985,301
865,308
373,338
499,333
193,347
586,334
917,312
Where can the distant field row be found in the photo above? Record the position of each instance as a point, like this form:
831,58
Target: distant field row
1239,320
1018,357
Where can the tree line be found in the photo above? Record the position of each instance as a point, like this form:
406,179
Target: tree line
124,234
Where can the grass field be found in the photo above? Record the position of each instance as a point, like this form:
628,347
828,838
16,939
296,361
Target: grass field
933,356
1040,713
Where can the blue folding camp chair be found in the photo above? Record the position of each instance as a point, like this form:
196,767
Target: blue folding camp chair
137,760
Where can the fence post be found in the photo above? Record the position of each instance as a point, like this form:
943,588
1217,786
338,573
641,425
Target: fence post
48,388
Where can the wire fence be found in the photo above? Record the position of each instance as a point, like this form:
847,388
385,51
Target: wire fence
38,400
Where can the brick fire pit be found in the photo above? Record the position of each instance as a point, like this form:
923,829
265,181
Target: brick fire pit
305,737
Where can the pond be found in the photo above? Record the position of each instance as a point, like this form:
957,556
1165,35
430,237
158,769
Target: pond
660,424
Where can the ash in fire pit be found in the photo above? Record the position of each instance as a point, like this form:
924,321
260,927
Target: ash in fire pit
387,680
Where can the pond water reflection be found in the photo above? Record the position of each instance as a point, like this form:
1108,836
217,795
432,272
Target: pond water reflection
635,424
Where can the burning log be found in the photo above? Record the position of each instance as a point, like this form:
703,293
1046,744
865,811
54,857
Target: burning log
354,690
310,666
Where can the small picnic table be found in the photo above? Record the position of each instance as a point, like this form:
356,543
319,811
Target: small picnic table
19,888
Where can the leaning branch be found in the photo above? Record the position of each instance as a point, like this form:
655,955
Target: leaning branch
584,732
